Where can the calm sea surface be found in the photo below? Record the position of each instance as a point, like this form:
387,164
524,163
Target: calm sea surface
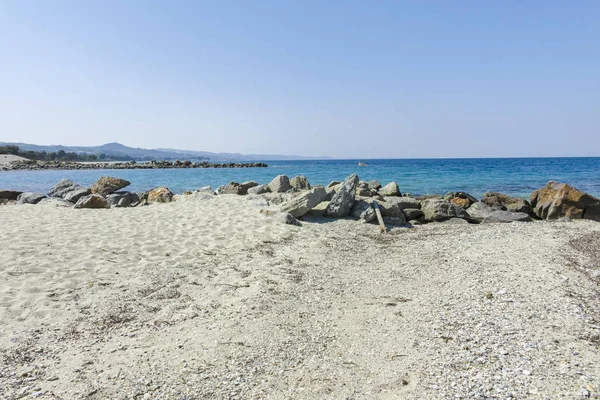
515,176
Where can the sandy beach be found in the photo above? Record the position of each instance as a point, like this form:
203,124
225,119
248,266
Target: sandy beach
207,298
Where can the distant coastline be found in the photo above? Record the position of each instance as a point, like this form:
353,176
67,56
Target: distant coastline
120,152
21,164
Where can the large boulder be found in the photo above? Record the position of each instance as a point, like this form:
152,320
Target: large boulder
107,185
396,221
412,213
9,194
260,189
232,188
159,195
302,204
559,200
391,189
479,211
92,201
30,198
363,210
461,199
343,200
505,217
68,190
390,209
280,184
395,206
403,202
501,201
300,182
442,210
122,199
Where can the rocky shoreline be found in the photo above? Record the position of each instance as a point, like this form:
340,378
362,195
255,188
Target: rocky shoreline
294,199
33,165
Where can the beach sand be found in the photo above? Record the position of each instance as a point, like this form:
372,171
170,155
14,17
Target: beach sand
6,159
207,298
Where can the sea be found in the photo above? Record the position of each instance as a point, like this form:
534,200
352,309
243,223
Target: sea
513,176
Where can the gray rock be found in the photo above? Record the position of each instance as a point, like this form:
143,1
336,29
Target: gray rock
442,210
300,182
92,201
391,189
260,189
67,190
280,184
342,202
122,199
248,185
363,210
479,211
506,216
302,204
333,184
390,209
30,198
403,202
395,221
375,185
412,213
55,202
9,194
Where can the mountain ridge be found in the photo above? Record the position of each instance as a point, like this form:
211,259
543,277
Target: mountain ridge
140,154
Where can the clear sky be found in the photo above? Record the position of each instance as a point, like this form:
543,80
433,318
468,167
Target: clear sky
361,79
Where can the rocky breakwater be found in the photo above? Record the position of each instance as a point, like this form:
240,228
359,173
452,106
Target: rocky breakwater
71,165
294,200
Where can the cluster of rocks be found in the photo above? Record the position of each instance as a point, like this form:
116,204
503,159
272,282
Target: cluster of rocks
72,165
354,198
105,193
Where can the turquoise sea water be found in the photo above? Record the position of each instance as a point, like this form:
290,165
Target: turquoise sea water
515,176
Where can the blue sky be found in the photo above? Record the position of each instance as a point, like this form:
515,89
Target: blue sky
344,79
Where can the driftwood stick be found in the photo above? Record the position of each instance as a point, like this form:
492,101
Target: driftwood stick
382,227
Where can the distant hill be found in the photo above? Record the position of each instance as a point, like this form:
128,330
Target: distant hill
119,150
